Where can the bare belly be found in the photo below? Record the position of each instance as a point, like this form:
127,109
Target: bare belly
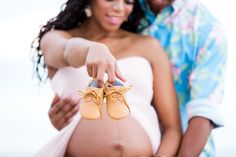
109,138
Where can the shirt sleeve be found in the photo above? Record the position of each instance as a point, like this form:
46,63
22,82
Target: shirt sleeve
207,77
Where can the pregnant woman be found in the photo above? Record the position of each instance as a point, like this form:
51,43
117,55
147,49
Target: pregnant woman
91,39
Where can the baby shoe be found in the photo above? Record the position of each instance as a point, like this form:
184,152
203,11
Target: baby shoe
92,101
117,106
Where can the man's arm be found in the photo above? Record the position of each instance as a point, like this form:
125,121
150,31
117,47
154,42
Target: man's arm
198,131
206,85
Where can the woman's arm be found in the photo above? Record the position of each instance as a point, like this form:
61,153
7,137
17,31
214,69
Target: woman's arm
60,49
165,100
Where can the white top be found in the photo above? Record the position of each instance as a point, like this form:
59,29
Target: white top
138,72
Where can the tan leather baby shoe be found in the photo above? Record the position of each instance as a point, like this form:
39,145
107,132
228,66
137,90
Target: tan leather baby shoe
117,106
92,101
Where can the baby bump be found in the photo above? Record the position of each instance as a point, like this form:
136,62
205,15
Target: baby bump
109,138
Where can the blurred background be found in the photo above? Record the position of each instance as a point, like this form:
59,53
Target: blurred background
24,123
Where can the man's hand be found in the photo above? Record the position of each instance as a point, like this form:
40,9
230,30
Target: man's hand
62,111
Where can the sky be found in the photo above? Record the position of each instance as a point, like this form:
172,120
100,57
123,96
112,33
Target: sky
24,123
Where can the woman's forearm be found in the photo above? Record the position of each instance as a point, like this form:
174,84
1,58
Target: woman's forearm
75,51
170,142
60,49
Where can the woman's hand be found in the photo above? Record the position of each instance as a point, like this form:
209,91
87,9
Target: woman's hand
99,61
62,111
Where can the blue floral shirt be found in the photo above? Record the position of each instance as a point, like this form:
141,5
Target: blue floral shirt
196,46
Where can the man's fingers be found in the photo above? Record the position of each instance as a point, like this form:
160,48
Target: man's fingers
67,107
67,123
57,107
67,118
55,100
60,109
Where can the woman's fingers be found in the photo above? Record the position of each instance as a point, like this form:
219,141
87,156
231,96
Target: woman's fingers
100,75
111,73
94,71
89,69
98,70
100,61
118,73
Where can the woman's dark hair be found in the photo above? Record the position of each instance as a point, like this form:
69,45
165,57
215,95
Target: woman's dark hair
72,15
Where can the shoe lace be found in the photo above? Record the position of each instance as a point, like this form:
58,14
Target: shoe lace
92,95
118,94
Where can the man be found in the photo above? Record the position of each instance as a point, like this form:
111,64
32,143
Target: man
195,44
